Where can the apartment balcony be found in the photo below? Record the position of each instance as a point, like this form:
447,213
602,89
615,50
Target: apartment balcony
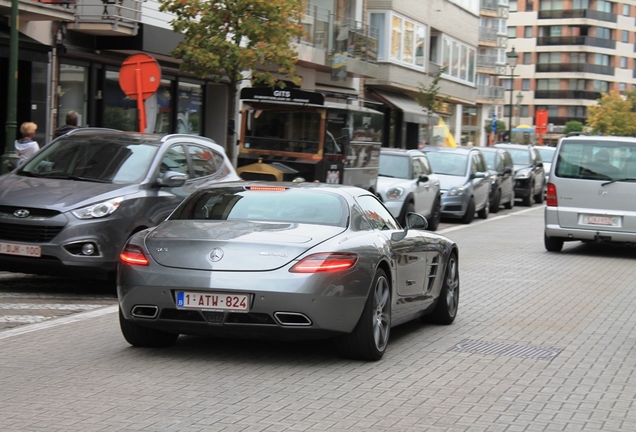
578,13
325,41
487,63
40,10
575,67
488,94
567,94
576,40
107,17
488,36
491,5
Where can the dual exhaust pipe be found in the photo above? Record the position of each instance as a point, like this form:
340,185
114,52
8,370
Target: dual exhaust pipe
291,319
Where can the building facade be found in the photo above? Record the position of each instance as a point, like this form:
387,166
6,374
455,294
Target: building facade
570,52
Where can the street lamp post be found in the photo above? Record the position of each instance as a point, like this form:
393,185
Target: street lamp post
519,98
511,61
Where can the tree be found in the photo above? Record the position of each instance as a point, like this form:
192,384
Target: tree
499,128
613,115
573,126
428,98
223,39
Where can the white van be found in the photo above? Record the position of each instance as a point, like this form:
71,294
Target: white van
591,193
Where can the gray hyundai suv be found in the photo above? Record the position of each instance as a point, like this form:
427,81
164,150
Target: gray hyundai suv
70,209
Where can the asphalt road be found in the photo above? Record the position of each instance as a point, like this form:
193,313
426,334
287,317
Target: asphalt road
543,342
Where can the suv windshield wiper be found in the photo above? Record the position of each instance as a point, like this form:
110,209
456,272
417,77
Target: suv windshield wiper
628,179
73,177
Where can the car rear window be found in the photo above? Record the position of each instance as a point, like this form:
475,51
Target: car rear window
268,205
596,160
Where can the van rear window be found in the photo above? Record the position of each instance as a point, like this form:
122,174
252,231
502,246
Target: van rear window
596,160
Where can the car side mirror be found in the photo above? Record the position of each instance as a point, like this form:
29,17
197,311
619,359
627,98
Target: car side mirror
422,179
479,175
416,221
172,179
507,170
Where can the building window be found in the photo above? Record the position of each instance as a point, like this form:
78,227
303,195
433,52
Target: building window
408,41
603,33
622,87
189,109
512,32
604,6
625,36
379,28
525,84
527,58
624,62
525,111
527,32
459,60
626,10
551,5
512,6
529,5
74,81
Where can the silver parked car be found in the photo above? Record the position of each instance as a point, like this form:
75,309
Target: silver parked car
70,209
285,260
465,181
407,184
591,190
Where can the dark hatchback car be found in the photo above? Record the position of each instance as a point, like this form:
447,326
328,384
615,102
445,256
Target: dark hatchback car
529,172
70,209
502,174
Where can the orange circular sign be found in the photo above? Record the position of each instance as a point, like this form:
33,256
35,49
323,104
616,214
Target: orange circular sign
139,74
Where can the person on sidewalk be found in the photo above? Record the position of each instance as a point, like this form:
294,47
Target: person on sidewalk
72,117
26,147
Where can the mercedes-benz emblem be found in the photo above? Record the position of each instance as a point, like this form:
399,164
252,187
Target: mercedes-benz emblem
21,213
216,254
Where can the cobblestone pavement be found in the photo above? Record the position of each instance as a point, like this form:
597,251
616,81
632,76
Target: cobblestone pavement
28,299
543,342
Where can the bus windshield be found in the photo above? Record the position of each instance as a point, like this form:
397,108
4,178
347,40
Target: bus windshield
278,130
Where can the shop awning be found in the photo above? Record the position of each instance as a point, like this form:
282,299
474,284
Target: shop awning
413,111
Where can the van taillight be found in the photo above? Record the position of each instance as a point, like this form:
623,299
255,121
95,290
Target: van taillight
551,196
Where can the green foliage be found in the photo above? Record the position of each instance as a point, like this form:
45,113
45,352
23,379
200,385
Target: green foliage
224,38
613,115
117,118
428,96
501,127
573,126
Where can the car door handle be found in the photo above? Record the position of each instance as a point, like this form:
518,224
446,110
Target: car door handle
410,282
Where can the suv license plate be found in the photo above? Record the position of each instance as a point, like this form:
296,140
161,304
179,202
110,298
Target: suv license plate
213,301
20,249
601,220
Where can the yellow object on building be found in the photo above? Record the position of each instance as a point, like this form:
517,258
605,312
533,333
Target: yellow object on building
442,137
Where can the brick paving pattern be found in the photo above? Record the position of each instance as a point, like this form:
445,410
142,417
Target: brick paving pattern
516,298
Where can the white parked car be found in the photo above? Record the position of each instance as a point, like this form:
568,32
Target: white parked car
406,183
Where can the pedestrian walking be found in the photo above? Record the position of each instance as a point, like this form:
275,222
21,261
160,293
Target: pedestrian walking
26,147
72,118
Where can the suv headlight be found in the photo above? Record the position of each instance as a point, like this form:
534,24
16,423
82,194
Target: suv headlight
456,191
98,210
395,193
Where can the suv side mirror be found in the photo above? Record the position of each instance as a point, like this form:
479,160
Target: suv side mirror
422,179
172,179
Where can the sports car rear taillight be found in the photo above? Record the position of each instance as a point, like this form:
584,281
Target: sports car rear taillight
325,262
133,255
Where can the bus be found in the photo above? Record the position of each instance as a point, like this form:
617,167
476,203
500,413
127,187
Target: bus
295,135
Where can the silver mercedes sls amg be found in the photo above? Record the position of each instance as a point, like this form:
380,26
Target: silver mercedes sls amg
285,260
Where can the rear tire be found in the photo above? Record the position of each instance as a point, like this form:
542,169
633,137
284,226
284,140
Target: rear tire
529,199
496,202
139,336
368,341
538,198
470,212
552,244
436,215
483,213
448,301
510,204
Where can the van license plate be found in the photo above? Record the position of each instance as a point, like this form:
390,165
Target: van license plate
601,220
213,301
20,249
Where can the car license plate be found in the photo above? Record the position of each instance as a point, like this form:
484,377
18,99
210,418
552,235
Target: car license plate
601,220
20,249
213,301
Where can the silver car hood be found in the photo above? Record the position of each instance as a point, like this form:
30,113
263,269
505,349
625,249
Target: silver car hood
233,245
49,193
